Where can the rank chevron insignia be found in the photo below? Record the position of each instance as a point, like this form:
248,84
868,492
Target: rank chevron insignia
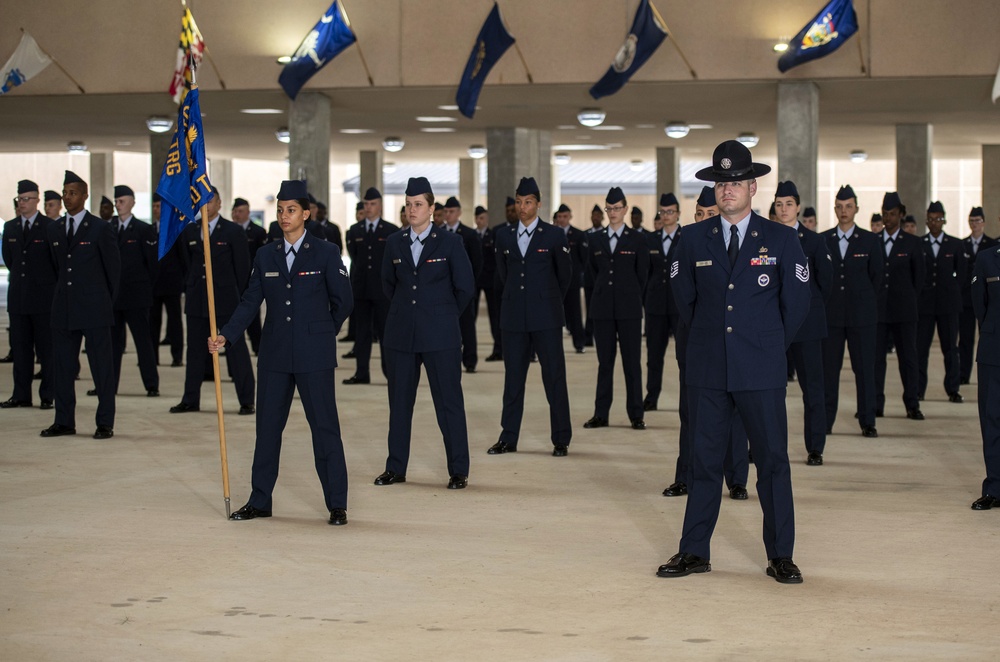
674,268
802,272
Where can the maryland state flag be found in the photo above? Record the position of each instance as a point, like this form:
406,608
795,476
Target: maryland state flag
184,185
493,41
189,54
325,41
643,39
821,36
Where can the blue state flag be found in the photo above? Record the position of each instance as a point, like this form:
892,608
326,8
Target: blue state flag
643,39
325,41
492,42
184,185
821,36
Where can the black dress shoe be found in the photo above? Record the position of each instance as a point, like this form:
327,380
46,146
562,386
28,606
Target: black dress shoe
495,356
879,413
10,404
249,512
738,492
985,503
965,382
815,459
184,408
500,448
915,414
784,571
164,342
682,565
596,422
677,489
349,354
829,431
357,380
103,432
56,430
46,404
560,451
338,517
390,478
920,397
37,375
649,406
638,424
869,431
458,482
7,359
581,350
92,392
956,398
470,368
246,410
153,393
176,364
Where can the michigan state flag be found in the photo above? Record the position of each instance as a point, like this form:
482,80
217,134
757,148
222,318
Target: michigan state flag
821,36
642,41
184,185
325,41
492,42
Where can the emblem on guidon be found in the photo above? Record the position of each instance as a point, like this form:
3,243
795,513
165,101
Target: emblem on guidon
802,272
726,163
674,268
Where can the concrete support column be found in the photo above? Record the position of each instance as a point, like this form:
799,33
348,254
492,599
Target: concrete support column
221,176
102,179
468,186
159,145
798,141
514,153
991,190
914,154
309,149
668,172
371,171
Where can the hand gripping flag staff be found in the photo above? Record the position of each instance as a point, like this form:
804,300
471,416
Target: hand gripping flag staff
184,188
824,34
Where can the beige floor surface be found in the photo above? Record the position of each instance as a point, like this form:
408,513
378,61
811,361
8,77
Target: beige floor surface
120,550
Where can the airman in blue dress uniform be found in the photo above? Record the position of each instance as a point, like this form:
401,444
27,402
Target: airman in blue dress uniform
742,284
578,252
967,324
662,318
986,301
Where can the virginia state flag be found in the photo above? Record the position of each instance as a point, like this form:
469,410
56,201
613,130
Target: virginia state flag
27,61
324,42
642,41
492,42
821,36
184,184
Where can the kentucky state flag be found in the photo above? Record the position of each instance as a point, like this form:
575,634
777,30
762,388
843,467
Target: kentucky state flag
325,41
184,185
27,61
493,41
642,41
821,36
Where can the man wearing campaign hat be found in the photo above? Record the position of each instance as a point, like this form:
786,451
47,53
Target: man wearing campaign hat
898,307
743,286
28,256
167,291
972,245
308,295
138,247
807,347
89,268
488,282
470,239
985,292
256,238
662,318
852,311
427,276
53,205
535,268
366,247
941,302
619,262
578,252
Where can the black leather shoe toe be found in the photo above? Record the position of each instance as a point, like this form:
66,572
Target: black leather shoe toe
458,482
596,422
246,410
638,424
46,404
12,403
56,430
649,406
869,431
560,451
915,414
153,393
183,408
103,432
495,356
986,503
348,355
249,512
338,517
390,478
784,571
357,380
739,493
682,565
92,392
500,448
675,490
815,459
956,398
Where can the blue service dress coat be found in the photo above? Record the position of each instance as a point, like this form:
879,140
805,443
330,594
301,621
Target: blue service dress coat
967,319
985,290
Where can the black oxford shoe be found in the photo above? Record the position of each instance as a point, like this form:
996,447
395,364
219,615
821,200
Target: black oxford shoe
682,565
46,404
357,380
560,451
471,369
638,424
495,356
56,430
12,403
183,408
246,410
103,432
677,489
249,512
153,393
348,355
581,350
956,398
739,493
649,406
596,422
458,482
784,571
338,517
815,459
985,503
500,448
92,392
915,414
390,478
869,431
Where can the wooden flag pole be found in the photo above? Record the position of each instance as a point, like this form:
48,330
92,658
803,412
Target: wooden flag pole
61,68
673,40
357,42
211,60
524,62
861,55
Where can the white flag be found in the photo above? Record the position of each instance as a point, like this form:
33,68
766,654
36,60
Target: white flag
26,63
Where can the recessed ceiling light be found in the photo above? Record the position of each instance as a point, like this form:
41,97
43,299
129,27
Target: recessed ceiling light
437,129
699,126
284,59
261,111
283,135
123,143
591,117
676,129
393,144
560,158
781,47
388,167
574,147
608,127
566,127
645,126
433,118
357,131
477,151
748,139
158,124
76,147
636,165
859,156
451,107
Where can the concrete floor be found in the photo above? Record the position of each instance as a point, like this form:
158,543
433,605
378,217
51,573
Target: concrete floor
120,550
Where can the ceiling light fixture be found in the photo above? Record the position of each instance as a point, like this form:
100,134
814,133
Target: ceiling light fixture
283,135
435,118
393,144
477,151
356,131
560,158
76,147
583,147
437,129
676,129
636,165
389,167
781,47
608,127
591,116
859,156
284,59
748,139
260,111
158,124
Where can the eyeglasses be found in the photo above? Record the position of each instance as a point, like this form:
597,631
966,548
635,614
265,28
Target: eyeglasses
25,198
616,208
669,212
976,219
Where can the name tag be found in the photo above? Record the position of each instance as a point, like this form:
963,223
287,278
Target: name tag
654,252
598,252
12,240
192,243
993,279
270,274
396,261
356,239
763,261
703,263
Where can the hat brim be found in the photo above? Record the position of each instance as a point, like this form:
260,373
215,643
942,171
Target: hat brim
710,174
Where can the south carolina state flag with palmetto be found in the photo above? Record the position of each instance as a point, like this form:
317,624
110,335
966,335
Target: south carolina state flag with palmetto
831,27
